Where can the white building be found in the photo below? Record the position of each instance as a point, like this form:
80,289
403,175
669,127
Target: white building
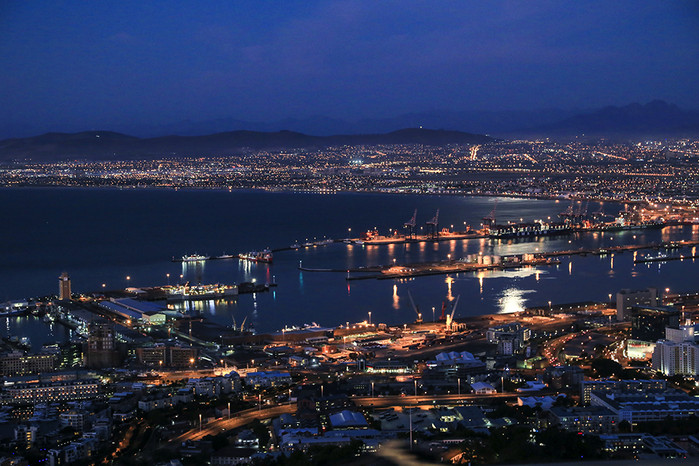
683,333
150,404
73,419
510,338
672,358
210,386
482,388
267,379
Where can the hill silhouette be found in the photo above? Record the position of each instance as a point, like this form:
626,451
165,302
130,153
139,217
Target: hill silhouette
105,145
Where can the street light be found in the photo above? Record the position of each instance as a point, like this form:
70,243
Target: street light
369,318
459,385
372,389
168,279
433,314
415,381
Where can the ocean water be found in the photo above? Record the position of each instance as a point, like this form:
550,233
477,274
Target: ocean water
127,237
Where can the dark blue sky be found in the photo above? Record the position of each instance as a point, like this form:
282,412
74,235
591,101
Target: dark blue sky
70,65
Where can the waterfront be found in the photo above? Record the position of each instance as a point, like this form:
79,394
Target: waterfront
103,236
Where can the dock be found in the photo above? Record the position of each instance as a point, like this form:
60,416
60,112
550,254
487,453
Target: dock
507,262
621,249
664,259
449,266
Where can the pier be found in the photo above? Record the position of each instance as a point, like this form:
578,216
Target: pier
385,272
621,249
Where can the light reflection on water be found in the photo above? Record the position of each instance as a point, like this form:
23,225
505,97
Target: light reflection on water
513,300
305,297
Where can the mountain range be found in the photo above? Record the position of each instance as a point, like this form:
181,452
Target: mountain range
654,119
104,145
226,136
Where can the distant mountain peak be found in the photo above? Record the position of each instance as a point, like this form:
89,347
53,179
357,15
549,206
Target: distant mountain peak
656,117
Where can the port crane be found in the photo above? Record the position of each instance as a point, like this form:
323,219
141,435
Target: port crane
569,212
415,308
432,225
599,213
410,225
489,220
450,317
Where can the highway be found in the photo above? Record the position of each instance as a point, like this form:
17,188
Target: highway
239,419
245,417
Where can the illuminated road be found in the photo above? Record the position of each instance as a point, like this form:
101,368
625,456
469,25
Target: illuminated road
237,420
398,400
245,417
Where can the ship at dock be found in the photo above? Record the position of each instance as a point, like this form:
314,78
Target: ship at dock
524,230
191,258
199,292
265,256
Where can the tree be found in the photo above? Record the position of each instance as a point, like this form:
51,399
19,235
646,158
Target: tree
606,367
261,432
624,427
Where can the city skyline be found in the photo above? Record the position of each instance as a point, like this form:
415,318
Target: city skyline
226,225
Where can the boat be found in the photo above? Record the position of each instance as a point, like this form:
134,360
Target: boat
295,246
224,256
191,258
257,256
660,257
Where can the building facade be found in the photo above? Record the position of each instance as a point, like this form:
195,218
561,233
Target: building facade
18,363
627,299
672,358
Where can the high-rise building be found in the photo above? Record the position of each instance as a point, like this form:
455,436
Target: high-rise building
64,292
101,346
672,358
626,299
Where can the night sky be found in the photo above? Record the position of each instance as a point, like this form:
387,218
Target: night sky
69,65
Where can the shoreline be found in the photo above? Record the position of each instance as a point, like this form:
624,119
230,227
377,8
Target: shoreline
540,197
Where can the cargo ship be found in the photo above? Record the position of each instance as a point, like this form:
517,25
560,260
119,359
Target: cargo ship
257,256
